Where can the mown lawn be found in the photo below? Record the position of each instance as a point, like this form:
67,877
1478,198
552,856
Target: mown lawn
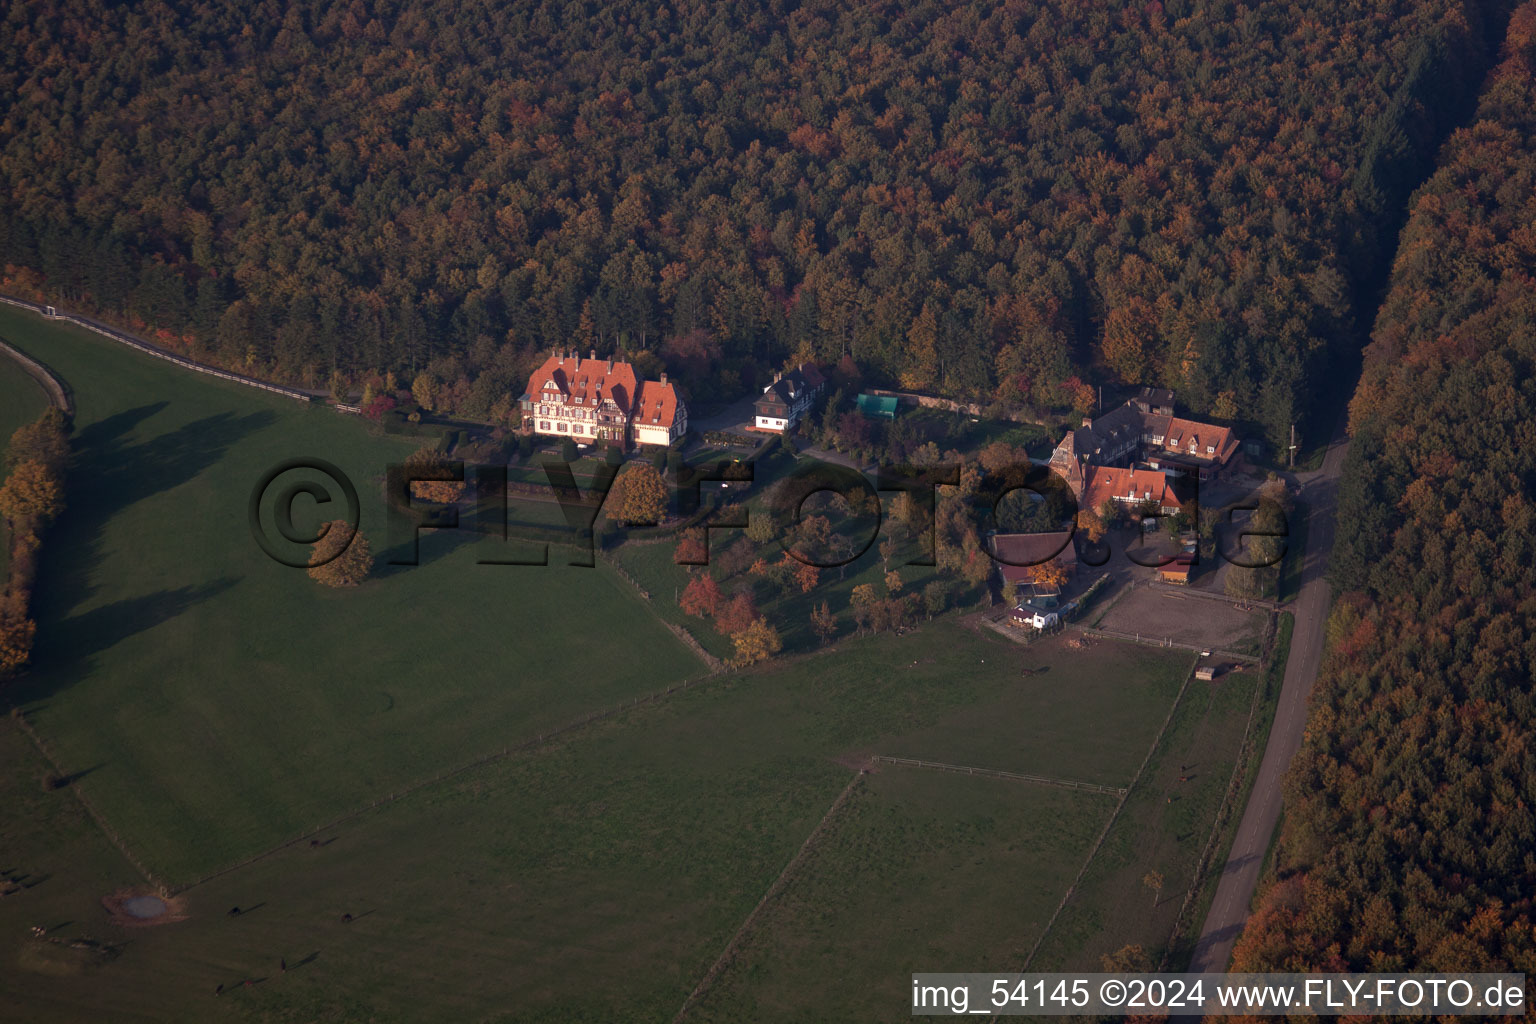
227,702
217,703
599,877
1089,716
589,882
1166,823
653,567
21,398
920,871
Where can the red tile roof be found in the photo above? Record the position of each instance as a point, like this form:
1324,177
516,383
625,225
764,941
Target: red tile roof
657,405
1117,433
587,382
1126,485
1177,434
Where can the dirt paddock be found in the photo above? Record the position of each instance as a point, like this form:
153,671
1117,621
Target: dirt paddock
1186,619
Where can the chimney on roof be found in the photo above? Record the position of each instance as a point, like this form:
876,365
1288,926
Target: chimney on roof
592,354
1087,422
663,376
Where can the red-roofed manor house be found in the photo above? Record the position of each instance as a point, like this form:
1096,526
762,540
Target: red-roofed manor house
1144,430
596,400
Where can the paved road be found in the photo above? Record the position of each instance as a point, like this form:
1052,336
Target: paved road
1240,876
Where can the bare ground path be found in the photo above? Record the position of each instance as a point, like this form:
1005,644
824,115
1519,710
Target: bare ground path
1240,876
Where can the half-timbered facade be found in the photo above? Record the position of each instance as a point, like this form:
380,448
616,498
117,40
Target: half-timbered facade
603,401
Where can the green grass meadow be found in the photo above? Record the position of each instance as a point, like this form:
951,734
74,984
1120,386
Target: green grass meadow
168,641
211,704
22,399
629,851
922,871
1162,829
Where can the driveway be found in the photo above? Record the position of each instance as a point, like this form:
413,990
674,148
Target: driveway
736,417
1240,876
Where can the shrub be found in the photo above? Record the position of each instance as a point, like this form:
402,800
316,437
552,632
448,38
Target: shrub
347,568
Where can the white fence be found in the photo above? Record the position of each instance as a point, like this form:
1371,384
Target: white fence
58,392
124,338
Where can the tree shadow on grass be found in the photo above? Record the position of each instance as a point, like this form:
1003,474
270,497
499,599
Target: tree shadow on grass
111,471
111,429
482,535
431,545
66,648
111,474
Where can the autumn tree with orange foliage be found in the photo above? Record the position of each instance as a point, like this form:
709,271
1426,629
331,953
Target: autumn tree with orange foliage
639,496
823,622
1048,574
701,596
1007,237
430,460
736,614
758,641
341,557
16,637
1091,524
1408,830
691,549
31,496
32,491
45,440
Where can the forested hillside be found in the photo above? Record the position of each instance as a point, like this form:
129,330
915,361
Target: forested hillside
1001,201
1410,835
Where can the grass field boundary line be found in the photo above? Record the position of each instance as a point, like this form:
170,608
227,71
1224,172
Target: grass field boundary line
732,947
58,391
531,743
1149,640
1184,590
1240,768
101,822
999,773
686,636
1093,851
1202,864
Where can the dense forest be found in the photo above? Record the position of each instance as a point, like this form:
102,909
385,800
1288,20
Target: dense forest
1007,202
1410,835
